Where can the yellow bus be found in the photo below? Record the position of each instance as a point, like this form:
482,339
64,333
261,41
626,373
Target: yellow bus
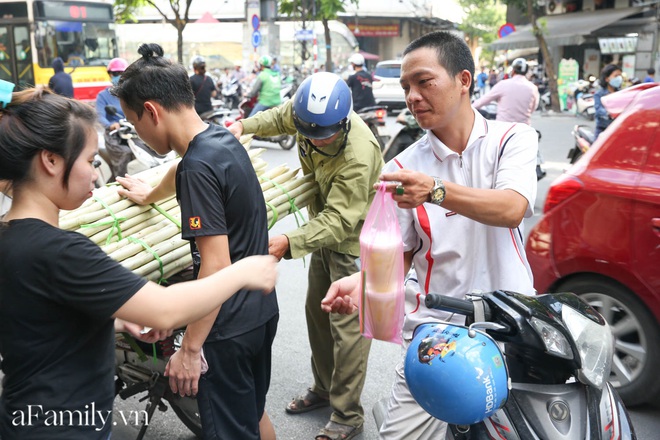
34,32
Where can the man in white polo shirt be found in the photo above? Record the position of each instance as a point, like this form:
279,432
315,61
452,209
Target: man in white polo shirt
463,190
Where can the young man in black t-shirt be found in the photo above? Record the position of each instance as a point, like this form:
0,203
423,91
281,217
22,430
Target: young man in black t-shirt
361,84
221,203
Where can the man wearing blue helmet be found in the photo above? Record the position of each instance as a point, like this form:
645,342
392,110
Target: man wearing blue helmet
339,150
462,190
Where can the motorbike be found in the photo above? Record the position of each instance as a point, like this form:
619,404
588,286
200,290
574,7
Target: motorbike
584,99
218,115
408,134
286,141
584,137
374,117
231,93
124,152
138,373
558,352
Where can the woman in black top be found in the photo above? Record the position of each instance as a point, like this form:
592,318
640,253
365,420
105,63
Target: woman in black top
60,293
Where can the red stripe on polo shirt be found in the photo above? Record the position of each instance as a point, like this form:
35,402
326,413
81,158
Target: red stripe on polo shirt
425,224
515,245
418,296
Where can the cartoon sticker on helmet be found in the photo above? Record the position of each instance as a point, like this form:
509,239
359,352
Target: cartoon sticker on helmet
429,348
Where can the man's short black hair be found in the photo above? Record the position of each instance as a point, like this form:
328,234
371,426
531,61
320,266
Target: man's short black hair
154,78
453,53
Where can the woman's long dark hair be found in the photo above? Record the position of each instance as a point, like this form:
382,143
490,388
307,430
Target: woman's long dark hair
38,119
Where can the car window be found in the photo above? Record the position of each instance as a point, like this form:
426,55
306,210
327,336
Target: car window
388,71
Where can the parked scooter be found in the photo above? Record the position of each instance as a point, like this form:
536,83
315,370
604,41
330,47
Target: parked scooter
407,135
584,99
557,357
374,117
124,152
584,137
232,93
140,369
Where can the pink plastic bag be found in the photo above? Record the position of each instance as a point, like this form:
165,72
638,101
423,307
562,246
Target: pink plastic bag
381,253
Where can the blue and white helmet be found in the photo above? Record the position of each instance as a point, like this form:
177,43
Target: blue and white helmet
322,106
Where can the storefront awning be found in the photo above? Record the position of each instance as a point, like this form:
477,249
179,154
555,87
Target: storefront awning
563,30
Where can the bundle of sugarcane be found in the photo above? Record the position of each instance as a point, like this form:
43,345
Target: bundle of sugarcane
147,239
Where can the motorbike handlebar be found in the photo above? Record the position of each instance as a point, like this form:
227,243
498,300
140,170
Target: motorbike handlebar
449,304
454,305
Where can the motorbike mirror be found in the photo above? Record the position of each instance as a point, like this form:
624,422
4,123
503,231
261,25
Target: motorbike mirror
111,110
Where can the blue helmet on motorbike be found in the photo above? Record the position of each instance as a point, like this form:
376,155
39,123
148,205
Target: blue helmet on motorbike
322,106
456,378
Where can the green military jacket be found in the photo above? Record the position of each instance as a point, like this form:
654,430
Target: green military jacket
346,182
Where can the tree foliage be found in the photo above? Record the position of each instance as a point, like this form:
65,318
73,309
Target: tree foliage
177,16
481,21
530,8
309,11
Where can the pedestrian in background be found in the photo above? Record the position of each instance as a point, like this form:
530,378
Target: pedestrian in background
650,75
360,83
203,87
610,81
516,97
61,83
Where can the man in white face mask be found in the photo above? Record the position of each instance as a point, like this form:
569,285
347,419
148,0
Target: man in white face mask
610,81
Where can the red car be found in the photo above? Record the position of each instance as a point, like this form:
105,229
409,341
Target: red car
600,237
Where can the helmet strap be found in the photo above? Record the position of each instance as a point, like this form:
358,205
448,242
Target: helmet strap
346,128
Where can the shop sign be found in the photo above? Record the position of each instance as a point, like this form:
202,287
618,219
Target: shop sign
374,30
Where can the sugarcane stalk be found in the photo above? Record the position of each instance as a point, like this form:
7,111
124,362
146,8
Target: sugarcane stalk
153,265
161,249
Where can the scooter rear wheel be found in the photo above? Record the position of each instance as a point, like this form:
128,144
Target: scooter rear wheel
187,411
288,142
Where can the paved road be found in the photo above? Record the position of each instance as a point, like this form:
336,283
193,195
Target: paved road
291,364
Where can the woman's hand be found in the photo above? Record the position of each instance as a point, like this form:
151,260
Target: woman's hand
138,331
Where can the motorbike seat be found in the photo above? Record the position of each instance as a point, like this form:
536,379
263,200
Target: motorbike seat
586,133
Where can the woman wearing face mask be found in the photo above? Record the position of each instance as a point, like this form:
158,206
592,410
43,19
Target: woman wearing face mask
610,81
109,113
110,120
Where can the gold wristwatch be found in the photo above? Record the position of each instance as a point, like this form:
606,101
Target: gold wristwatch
437,193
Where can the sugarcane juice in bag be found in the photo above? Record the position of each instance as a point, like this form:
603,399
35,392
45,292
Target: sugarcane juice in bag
382,283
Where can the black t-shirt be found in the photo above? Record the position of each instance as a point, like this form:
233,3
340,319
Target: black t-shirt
361,85
58,291
219,194
202,86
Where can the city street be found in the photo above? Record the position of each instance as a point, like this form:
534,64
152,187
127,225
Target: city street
291,362
291,372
